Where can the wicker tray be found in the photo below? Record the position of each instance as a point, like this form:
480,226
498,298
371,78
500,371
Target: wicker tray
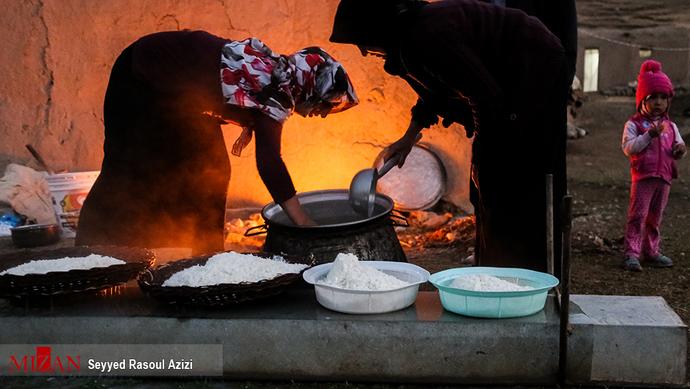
80,280
151,282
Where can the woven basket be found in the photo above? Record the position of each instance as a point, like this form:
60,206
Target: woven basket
53,283
151,282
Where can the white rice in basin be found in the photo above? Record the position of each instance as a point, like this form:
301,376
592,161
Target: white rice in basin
348,273
486,283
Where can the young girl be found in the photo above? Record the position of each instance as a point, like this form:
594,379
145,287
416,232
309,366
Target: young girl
652,142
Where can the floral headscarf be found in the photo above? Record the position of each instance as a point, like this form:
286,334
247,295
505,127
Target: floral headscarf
254,77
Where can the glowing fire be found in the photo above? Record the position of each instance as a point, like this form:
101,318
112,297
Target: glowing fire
427,229
234,234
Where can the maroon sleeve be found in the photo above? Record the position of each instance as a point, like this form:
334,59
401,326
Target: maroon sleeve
269,163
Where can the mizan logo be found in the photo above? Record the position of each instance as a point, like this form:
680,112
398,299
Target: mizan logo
44,362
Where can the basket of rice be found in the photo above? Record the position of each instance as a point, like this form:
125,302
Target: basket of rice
223,279
493,292
70,269
348,285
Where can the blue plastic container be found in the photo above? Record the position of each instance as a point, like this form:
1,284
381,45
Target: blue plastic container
494,304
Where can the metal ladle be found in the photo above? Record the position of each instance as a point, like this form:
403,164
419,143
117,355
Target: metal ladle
362,194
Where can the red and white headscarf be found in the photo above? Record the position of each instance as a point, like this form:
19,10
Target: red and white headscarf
253,76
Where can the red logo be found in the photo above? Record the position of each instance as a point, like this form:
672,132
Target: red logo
44,362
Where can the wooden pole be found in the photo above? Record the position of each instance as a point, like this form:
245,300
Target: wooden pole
565,289
549,224
549,235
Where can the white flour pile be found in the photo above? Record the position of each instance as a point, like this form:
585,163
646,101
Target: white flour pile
348,273
486,283
232,268
43,266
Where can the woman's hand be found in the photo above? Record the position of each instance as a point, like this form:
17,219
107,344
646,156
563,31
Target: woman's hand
296,212
679,150
398,150
401,148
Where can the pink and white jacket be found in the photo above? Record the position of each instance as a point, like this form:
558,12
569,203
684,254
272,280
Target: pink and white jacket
649,156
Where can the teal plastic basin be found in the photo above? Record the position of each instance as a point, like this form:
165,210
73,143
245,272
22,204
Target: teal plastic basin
494,304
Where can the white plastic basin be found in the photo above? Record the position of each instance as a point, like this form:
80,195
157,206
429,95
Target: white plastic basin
367,301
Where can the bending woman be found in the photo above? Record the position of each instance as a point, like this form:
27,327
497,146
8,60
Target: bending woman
165,171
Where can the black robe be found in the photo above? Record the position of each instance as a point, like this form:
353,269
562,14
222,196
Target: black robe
165,171
503,76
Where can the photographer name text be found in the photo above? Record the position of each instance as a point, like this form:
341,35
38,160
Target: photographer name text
133,364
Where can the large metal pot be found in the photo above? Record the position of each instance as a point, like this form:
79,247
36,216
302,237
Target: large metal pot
339,229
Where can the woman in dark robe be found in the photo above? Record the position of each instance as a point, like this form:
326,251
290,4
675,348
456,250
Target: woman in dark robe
165,171
500,74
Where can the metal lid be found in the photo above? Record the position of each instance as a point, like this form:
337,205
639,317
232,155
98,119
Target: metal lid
420,183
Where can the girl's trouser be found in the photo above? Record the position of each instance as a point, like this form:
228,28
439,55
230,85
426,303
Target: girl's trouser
648,199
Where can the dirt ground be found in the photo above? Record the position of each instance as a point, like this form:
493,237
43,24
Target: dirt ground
627,14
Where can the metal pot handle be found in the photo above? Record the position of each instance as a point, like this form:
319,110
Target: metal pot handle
262,226
146,276
398,219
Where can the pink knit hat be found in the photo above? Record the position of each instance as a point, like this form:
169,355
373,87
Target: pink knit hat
651,80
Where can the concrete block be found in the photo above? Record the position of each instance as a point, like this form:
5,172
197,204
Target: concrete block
626,340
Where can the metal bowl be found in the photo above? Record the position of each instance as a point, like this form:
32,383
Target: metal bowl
368,301
35,235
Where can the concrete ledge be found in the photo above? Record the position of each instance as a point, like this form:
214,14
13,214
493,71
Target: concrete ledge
292,337
626,340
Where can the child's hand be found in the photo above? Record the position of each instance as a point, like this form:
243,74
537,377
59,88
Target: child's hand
655,130
679,150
